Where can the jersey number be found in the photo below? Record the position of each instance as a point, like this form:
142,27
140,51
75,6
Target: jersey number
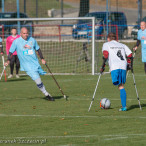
119,54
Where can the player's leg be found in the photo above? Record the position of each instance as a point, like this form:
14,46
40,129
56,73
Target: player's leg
119,79
145,67
123,97
17,66
87,56
81,57
36,77
87,60
12,66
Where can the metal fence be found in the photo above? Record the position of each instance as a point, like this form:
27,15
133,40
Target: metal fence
72,8
134,11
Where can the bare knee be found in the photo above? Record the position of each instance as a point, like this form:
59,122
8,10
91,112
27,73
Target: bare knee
121,86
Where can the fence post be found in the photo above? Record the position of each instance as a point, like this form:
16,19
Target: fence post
59,33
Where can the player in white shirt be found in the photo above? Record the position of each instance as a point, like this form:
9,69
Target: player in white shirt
116,54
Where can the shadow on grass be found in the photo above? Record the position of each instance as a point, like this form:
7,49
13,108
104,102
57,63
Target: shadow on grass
136,106
56,97
15,80
31,98
60,97
14,99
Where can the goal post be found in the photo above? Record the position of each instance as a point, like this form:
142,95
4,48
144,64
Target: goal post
65,42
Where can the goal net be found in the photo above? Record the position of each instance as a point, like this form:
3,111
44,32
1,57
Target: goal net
67,44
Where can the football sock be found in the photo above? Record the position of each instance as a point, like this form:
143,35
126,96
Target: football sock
41,86
123,97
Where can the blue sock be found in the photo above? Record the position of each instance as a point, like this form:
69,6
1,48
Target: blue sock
123,97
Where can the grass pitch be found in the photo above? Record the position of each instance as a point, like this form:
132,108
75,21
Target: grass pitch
26,118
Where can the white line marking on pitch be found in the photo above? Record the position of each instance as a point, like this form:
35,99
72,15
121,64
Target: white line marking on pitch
116,138
122,117
111,137
109,98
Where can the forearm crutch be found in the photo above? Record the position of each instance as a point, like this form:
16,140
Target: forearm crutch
4,69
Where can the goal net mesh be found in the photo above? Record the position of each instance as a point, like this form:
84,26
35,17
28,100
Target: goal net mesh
65,44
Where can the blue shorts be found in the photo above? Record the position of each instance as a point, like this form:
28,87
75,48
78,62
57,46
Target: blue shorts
118,76
36,74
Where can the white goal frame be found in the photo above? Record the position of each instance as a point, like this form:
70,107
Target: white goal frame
75,18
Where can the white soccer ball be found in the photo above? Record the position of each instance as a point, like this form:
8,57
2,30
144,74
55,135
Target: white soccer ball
105,103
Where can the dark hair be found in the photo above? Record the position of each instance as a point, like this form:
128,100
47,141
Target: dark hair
112,36
13,28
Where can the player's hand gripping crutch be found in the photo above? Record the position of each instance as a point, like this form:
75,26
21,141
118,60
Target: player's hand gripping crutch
128,70
135,83
56,82
101,71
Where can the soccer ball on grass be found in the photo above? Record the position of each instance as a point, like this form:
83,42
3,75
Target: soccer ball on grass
105,103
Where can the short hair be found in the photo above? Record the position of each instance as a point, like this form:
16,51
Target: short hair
112,36
13,28
143,22
25,28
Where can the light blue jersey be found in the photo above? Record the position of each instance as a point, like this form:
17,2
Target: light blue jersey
27,56
142,37
0,39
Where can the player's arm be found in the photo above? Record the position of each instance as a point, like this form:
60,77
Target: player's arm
41,56
105,57
129,58
9,59
11,51
129,61
37,48
7,46
105,51
138,42
137,45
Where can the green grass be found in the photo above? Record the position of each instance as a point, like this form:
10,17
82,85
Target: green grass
25,116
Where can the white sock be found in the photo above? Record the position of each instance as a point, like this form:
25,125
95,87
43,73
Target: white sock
41,86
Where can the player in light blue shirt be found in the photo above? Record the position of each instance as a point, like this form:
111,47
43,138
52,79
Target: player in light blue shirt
26,47
141,38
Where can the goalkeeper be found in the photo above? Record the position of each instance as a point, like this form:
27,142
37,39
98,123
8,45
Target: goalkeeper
116,54
84,55
26,47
